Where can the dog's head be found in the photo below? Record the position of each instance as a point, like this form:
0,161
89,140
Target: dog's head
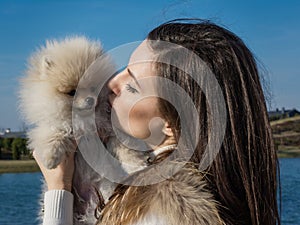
52,78
63,63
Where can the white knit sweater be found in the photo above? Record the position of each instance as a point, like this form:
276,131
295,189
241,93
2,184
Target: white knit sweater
58,208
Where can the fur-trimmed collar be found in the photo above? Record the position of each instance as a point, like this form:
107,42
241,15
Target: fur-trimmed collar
181,199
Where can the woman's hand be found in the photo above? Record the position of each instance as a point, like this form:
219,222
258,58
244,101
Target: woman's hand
60,177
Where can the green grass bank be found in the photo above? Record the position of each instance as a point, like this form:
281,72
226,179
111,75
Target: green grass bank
18,166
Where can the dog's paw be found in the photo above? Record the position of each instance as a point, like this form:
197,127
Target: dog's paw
57,150
52,159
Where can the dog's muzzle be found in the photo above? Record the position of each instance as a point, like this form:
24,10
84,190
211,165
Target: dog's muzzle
85,104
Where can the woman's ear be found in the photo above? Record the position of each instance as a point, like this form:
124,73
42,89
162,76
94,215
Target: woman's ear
167,130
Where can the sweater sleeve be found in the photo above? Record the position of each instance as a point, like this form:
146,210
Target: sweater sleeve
58,206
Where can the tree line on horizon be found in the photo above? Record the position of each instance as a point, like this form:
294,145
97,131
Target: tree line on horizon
14,148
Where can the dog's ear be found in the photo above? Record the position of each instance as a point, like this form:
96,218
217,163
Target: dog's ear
47,64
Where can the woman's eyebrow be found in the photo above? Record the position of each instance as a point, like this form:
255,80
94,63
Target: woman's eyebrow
134,78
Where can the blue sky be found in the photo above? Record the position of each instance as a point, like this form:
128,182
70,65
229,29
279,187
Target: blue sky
271,29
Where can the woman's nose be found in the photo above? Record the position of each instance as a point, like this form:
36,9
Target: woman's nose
115,84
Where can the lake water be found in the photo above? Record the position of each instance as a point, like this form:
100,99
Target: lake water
290,185
19,194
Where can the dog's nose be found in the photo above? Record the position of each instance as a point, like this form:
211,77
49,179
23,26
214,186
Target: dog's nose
90,101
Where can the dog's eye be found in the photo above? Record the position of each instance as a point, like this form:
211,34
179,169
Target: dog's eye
71,93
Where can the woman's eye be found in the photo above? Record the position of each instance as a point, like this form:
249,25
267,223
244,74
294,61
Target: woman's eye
131,89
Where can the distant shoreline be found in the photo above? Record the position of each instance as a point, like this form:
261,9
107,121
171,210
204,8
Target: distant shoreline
29,166
18,166
286,136
288,153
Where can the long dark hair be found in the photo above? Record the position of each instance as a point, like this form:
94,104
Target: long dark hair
243,176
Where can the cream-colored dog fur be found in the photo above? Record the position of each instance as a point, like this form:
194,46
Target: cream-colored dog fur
46,97
47,92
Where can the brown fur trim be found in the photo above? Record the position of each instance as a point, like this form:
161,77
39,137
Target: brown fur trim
182,199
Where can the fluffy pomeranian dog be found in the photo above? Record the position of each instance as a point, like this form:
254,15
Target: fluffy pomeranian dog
46,98
47,93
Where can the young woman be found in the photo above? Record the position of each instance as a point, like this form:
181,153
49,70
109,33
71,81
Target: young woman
238,185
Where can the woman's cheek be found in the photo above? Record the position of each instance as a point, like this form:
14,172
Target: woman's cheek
141,116
138,122
128,116
134,116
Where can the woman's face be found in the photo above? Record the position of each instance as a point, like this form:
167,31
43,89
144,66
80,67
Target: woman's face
133,98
